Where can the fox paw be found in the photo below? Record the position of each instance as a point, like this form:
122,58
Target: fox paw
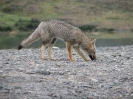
72,60
43,58
52,59
87,59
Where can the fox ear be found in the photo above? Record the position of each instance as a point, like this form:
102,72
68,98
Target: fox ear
93,41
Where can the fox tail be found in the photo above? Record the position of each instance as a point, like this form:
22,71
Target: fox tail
33,37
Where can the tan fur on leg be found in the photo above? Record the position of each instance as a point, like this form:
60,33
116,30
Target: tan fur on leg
76,48
49,52
42,52
68,46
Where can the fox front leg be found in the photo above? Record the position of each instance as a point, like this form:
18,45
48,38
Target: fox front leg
68,46
76,48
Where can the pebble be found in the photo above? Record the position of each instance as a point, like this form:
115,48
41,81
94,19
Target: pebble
44,72
1,87
47,73
6,91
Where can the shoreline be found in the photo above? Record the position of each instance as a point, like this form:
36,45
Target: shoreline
23,75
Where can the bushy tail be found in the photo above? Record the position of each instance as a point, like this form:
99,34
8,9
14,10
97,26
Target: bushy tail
33,37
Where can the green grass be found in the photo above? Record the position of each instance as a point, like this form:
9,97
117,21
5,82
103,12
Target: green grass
116,14
10,19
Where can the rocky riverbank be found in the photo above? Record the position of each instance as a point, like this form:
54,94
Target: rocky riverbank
23,75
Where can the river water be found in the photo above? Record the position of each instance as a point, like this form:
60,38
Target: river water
13,42
114,42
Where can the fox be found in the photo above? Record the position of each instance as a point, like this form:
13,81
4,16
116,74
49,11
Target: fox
51,30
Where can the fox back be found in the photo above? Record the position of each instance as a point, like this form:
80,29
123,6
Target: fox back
59,29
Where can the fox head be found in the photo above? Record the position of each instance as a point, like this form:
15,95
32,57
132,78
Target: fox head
90,49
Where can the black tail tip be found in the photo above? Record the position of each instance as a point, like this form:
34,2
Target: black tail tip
20,47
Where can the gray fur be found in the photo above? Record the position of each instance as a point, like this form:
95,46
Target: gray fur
55,29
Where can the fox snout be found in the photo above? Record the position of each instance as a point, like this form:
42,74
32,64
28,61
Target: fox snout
20,47
92,57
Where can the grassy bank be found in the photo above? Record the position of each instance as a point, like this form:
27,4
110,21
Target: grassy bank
102,14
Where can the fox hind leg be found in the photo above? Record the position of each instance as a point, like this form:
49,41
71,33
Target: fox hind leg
45,43
50,47
42,52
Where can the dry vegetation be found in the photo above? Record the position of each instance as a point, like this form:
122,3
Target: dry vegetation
101,13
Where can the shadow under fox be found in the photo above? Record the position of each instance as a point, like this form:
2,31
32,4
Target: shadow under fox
50,31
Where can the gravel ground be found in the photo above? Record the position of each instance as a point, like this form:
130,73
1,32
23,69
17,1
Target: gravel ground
23,75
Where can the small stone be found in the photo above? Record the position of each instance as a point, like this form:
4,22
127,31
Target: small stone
31,63
6,63
61,73
43,72
17,87
30,72
58,65
1,71
47,73
107,85
94,80
1,87
123,79
128,57
37,64
42,97
6,90
56,96
101,85
73,92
